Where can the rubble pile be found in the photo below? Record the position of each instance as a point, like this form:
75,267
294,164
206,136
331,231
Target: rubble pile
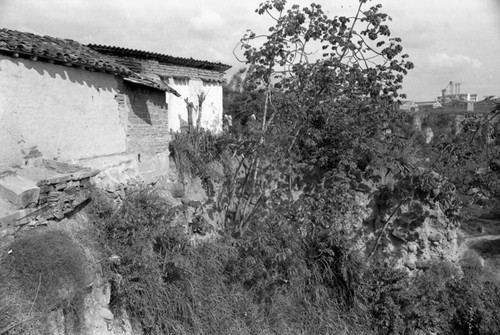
35,202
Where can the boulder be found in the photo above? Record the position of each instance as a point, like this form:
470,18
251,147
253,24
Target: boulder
21,192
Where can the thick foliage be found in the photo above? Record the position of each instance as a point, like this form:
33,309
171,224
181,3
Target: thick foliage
320,120
442,299
332,106
468,156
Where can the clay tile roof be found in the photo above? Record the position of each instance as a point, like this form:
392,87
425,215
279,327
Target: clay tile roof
188,62
47,48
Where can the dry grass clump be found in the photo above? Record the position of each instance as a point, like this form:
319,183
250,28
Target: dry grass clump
40,271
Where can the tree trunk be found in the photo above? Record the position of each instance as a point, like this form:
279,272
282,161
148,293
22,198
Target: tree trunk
189,107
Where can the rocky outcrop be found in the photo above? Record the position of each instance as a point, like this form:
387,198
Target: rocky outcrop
409,234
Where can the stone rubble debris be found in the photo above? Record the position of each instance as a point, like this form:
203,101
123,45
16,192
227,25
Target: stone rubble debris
47,199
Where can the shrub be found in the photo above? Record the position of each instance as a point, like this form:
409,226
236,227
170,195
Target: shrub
442,299
198,153
41,270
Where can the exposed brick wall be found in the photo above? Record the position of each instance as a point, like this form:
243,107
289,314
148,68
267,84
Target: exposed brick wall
152,68
147,113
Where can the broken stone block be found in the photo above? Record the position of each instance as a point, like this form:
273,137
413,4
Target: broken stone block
57,180
43,199
58,214
24,221
17,218
41,183
71,190
410,265
61,186
19,191
83,175
85,183
436,237
46,188
54,196
80,198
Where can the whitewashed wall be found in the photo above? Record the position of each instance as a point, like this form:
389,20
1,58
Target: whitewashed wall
67,113
212,111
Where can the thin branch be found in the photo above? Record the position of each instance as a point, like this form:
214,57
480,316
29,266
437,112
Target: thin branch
379,237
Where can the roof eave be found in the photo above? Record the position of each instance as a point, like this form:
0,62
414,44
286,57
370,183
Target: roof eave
188,62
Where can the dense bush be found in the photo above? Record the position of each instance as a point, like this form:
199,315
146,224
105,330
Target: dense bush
198,152
443,299
40,271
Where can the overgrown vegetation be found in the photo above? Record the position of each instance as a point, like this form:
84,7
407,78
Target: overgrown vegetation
277,281
443,300
41,271
201,154
270,282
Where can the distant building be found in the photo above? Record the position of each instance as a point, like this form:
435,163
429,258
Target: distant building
452,93
452,101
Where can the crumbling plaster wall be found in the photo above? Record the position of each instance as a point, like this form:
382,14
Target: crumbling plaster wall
67,113
211,118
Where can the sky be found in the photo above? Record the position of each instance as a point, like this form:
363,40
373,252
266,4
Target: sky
447,40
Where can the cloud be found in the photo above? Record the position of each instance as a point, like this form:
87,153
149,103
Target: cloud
446,62
207,20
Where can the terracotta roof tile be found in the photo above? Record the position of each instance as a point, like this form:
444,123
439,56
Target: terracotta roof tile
70,53
188,62
61,50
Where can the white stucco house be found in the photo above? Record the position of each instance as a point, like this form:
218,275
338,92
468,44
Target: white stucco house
68,101
187,76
